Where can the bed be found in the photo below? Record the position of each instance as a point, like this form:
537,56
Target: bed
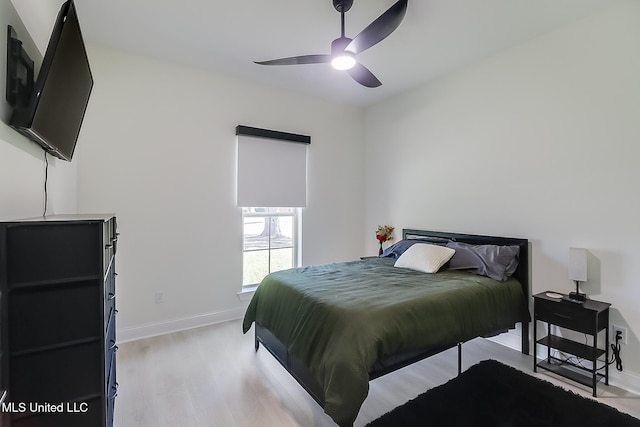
335,327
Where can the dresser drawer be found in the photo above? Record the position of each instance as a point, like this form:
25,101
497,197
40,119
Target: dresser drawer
62,375
565,314
48,315
46,252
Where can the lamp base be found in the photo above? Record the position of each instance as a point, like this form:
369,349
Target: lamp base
576,297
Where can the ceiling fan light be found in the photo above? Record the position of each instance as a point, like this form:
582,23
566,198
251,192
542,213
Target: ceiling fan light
343,61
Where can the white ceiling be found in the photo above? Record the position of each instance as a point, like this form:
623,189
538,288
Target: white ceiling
436,36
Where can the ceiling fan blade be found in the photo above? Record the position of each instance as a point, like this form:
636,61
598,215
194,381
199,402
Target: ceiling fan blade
379,29
362,75
296,60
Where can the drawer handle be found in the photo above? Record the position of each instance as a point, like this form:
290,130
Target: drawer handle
114,391
108,246
564,316
112,296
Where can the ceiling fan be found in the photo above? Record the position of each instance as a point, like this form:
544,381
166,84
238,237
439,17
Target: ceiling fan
344,50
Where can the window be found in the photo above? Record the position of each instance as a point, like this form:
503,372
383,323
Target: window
272,172
270,242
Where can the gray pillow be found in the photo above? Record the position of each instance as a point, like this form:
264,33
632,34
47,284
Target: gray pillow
494,261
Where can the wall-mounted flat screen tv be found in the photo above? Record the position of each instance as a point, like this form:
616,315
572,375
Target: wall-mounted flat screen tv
53,114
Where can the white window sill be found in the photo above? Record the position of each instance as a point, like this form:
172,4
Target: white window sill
247,292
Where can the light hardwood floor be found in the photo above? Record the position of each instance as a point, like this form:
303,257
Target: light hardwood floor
211,376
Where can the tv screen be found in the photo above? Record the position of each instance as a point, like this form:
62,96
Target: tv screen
56,108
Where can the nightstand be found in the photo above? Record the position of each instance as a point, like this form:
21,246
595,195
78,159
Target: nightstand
589,317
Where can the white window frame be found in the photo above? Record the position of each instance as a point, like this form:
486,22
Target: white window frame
296,217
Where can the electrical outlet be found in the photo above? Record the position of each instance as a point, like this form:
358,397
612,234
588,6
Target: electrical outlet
614,333
159,297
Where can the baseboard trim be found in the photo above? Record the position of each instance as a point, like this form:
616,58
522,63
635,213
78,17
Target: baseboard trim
511,339
148,330
625,380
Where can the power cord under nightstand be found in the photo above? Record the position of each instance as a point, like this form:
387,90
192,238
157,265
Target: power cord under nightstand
615,348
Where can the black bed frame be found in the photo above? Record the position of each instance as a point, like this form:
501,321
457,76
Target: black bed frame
302,374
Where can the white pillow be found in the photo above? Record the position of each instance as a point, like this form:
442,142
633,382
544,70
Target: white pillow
425,257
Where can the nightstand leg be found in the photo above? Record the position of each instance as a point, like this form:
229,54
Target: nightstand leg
595,349
548,347
535,344
606,354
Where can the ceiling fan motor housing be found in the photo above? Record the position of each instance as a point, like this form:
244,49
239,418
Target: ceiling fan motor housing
342,5
338,45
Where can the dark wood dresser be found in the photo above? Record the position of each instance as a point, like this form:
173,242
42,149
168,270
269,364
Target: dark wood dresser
57,284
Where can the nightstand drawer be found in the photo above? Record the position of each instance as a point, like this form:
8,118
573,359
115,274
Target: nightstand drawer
566,315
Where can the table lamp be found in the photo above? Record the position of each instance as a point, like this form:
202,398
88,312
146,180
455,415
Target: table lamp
577,271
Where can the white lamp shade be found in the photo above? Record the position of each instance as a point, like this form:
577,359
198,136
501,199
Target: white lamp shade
578,264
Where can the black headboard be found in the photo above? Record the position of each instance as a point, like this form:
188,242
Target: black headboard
521,273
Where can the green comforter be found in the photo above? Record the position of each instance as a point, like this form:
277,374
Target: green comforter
339,319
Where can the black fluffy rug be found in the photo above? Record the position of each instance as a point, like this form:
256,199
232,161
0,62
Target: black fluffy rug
491,394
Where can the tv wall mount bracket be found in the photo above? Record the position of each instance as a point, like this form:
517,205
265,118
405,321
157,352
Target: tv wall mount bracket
20,77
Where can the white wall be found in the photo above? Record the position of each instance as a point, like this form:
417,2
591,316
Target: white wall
541,141
22,165
160,151
22,177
